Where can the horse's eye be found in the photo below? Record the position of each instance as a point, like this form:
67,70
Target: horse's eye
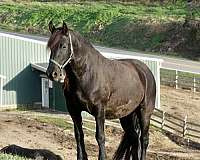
64,47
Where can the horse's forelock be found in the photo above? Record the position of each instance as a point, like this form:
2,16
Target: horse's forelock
54,39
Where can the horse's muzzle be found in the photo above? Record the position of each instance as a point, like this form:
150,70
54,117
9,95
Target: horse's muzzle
56,76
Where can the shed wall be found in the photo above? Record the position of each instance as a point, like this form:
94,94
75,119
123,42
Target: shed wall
16,54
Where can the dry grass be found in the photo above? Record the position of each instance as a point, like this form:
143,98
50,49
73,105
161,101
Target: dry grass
181,102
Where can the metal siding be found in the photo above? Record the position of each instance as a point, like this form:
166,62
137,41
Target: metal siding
58,96
21,84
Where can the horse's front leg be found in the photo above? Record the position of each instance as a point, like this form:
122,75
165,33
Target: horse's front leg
79,135
100,135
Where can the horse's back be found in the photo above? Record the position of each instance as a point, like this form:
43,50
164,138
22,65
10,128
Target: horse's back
148,81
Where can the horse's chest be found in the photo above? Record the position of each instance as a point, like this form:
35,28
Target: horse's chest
92,98
82,97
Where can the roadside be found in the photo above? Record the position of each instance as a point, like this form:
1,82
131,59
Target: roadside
168,62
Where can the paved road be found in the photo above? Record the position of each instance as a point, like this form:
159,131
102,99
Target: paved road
171,63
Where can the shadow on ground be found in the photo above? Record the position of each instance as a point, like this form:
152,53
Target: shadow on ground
190,144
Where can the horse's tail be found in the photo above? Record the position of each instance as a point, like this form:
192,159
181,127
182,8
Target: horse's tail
130,146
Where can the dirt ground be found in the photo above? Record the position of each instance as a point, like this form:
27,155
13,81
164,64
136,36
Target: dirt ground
21,128
181,102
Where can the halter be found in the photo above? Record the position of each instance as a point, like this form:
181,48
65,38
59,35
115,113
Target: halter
69,59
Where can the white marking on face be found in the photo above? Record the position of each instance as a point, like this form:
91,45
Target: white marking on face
61,79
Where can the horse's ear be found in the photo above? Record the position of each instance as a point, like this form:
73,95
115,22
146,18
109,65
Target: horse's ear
65,28
51,27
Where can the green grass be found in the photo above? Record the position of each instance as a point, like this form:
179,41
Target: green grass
185,79
84,17
172,73
10,157
59,122
62,123
132,26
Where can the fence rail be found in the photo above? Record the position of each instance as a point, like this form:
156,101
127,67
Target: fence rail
180,79
176,125
165,121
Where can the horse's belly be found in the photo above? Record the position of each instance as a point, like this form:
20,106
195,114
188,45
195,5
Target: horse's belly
115,112
124,100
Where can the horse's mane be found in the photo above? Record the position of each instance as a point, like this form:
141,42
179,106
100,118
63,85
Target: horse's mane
55,37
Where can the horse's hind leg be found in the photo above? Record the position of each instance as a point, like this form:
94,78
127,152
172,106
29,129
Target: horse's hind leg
144,115
130,147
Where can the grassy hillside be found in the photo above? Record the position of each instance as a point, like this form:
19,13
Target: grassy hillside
135,26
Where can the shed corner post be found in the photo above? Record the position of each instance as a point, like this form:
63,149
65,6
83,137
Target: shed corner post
159,64
1,89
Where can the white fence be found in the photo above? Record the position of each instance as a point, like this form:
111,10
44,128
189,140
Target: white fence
180,79
174,124
166,122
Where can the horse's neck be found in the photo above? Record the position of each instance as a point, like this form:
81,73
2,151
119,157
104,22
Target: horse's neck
86,57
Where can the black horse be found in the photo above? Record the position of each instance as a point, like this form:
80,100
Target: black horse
37,154
105,88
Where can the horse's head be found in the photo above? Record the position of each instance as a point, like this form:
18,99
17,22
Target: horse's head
60,44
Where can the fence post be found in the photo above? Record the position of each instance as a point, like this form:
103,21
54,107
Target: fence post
163,120
194,84
185,126
176,81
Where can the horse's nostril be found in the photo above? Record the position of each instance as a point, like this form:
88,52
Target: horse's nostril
54,74
61,74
